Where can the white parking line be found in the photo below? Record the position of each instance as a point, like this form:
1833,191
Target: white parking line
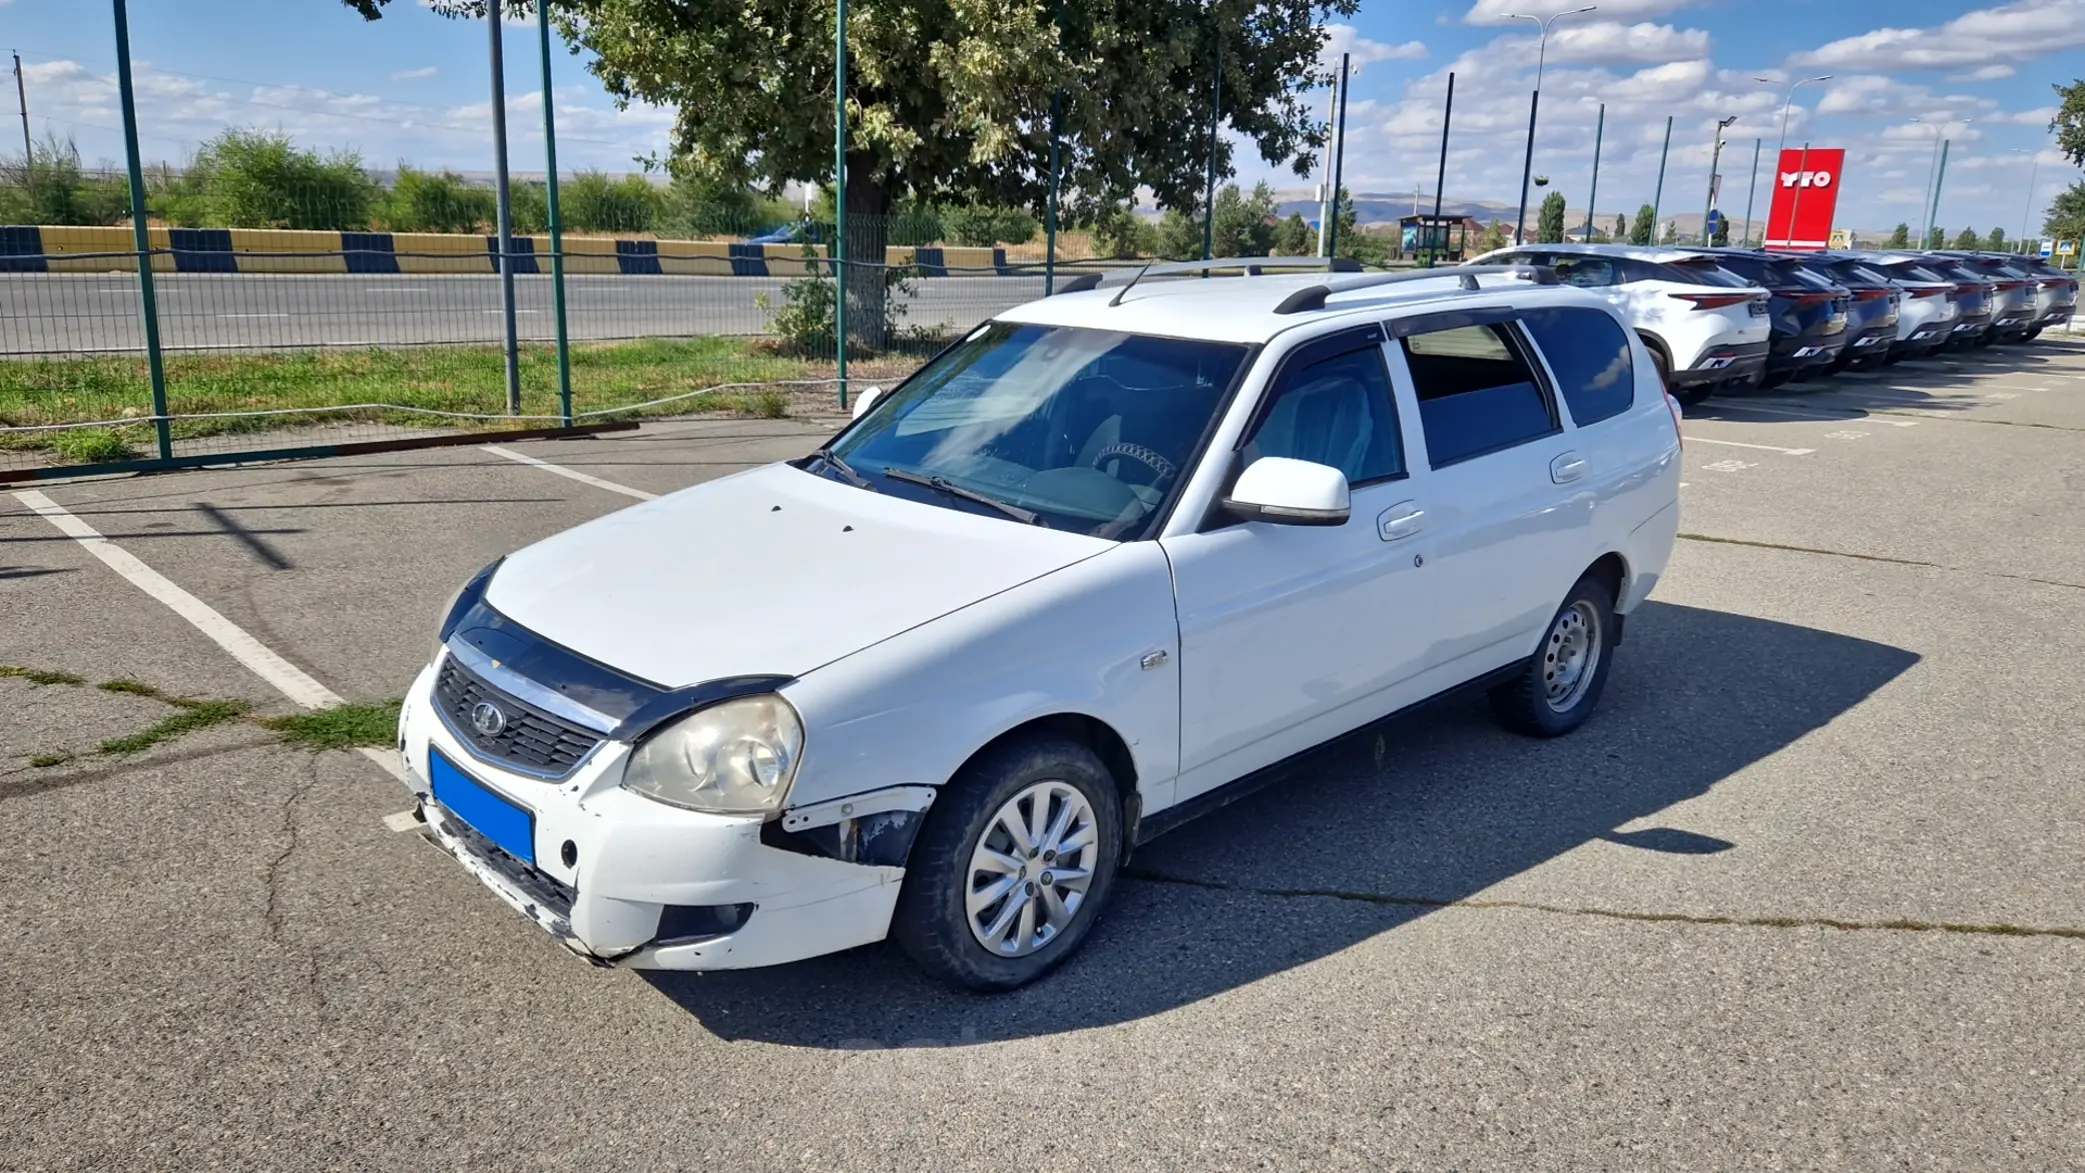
285,677
253,315
570,474
1761,447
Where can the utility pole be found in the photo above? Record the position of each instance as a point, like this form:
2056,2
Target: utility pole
1440,181
1339,158
148,298
1715,160
21,92
1326,195
1527,166
1658,199
838,248
1593,199
1752,192
556,225
506,204
1209,181
1933,214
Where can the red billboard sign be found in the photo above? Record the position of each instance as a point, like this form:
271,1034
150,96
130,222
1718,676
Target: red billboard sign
1806,194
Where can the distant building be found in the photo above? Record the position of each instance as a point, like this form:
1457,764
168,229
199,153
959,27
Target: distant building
1451,236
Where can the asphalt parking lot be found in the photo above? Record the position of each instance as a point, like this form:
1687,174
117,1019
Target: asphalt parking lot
1808,893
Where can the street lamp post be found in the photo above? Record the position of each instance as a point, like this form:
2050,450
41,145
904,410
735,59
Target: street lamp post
1931,208
1715,160
2034,174
1527,167
1787,106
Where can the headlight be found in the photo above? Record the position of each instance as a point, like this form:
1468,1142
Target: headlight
460,603
736,758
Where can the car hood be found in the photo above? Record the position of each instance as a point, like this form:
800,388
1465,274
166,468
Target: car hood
773,571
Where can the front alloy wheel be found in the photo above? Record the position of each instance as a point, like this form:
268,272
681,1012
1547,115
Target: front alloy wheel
1032,869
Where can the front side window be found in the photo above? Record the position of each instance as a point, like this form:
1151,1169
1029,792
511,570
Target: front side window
1585,272
1336,411
1589,355
1476,393
1087,430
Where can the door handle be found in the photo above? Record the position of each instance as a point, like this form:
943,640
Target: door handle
1567,468
1400,521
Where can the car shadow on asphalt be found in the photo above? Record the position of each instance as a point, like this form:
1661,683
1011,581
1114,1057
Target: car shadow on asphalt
1362,836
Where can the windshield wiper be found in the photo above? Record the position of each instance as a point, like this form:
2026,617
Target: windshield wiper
832,461
944,485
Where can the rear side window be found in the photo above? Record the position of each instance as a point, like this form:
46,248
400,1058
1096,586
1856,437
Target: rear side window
1477,393
1589,355
1704,272
1585,272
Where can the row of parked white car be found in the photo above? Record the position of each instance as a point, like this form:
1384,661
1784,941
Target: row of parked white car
1726,319
1110,561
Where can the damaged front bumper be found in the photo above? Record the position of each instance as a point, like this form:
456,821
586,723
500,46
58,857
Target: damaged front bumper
622,880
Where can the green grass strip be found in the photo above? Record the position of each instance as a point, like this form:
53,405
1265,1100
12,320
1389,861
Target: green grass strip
193,716
38,676
340,727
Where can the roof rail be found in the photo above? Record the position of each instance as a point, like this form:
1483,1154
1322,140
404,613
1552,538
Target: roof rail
1313,297
1253,266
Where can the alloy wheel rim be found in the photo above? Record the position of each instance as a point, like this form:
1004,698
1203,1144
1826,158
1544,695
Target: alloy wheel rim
1570,656
1031,869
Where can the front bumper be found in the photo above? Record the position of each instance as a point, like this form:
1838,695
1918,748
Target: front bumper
609,865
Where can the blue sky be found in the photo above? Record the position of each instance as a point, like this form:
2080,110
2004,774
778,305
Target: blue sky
413,87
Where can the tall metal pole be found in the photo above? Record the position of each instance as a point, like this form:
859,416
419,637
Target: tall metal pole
1339,158
557,231
1658,199
21,93
1752,192
1209,177
839,244
1715,160
1440,180
1599,133
1050,246
1329,198
1932,163
2034,174
1527,166
1939,177
148,299
505,205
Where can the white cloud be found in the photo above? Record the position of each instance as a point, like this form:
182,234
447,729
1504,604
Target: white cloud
1612,42
2020,31
1987,73
415,74
1499,11
1362,52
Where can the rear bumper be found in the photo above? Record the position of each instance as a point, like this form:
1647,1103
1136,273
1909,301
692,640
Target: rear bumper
1805,352
1931,336
1872,342
1720,364
2055,315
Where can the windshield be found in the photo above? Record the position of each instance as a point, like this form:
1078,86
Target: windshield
1707,272
1089,430
1915,272
1804,276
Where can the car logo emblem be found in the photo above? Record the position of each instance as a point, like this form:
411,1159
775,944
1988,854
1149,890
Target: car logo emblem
487,719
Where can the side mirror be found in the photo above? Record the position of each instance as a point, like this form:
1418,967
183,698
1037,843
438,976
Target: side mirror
1281,491
865,399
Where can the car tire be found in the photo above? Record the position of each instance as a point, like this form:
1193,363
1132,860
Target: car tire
933,922
1564,678
1691,396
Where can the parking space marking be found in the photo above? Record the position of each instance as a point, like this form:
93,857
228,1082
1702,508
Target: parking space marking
402,821
1761,447
1844,435
1729,466
570,474
285,677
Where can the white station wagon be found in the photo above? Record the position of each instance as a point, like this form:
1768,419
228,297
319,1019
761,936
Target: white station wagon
1091,571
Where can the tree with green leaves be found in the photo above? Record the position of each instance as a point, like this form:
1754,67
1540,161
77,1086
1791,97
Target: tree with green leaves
1245,224
1641,230
1900,237
951,101
1549,222
2069,123
1621,228
1293,237
262,179
1937,238
1996,241
50,187
2065,219
984,226
1119,233
1494,237
1967,239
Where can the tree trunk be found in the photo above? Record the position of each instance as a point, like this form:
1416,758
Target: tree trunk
868,229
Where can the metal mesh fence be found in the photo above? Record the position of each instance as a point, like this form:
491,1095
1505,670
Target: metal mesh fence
282,335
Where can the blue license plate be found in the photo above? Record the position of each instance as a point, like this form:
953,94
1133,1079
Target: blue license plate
509,827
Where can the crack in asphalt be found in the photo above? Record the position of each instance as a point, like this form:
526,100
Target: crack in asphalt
1750,922
1713,540
272,914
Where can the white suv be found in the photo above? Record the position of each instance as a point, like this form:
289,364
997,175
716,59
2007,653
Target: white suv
1706,327
1090,572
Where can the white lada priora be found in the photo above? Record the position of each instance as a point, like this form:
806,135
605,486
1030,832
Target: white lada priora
1091,571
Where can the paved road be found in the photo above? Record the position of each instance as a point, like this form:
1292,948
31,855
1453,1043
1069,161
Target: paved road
70,313
1853,701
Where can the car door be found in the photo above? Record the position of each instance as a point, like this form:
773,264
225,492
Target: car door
1291,634
1507,520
